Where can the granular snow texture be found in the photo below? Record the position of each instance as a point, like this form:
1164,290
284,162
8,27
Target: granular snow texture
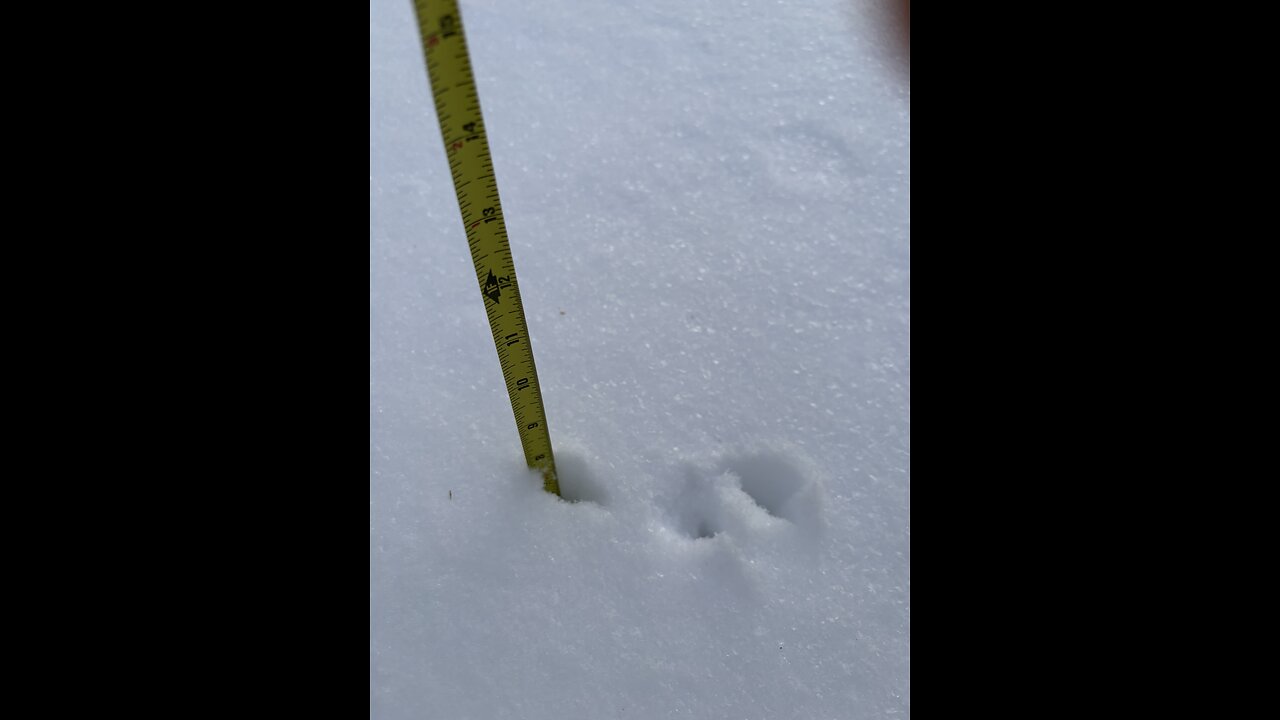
708,204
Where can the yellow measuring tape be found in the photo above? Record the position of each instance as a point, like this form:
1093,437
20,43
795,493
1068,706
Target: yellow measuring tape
467,147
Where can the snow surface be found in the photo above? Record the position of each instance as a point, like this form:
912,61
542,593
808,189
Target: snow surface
708,203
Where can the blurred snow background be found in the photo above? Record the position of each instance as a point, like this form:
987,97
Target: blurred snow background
708,203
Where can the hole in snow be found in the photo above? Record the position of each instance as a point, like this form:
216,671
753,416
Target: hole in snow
577,482
742,496
770,481
695,510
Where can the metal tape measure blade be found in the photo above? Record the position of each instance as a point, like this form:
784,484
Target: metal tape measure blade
467,149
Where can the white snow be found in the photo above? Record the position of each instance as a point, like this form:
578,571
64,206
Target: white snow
708,203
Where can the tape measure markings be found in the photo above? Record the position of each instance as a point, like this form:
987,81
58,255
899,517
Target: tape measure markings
466,147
